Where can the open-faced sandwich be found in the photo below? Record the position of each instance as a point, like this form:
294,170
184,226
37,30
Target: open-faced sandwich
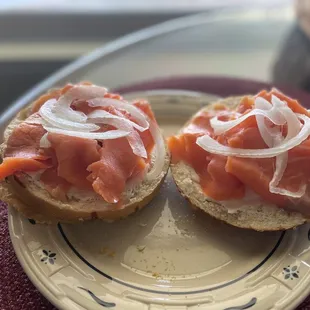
246,161
80,153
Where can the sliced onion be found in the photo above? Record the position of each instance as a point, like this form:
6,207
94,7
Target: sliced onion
47,113
267,133
64,110
272,137
44,142
85,92
99,116
138,115
279,114
160,152
221,126
293,125
82,92
212,146
262,103
111,134
118,122
284,192
281,164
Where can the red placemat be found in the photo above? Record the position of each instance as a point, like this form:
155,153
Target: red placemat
16,290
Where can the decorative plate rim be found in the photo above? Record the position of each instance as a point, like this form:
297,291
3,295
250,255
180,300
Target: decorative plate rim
40,280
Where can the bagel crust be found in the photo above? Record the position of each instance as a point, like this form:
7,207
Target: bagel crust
260,218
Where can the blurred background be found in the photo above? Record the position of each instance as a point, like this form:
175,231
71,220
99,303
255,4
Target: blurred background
38,37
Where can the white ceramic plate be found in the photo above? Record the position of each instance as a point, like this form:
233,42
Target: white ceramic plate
167,256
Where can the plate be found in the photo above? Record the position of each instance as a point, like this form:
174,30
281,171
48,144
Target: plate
167,256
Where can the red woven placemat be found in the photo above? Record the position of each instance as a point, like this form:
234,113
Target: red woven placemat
16,290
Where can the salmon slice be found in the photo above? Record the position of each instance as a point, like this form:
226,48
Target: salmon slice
200,123
302,151
215,182
103,166
176,146
246,104
11,165
23,151
54,184
293,104
74,155
256,174
145,107
218,184
24,142
246,138
116,166
225,178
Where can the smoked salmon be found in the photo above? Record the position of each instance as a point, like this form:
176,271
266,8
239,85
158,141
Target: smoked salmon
225,178
65,157
116,166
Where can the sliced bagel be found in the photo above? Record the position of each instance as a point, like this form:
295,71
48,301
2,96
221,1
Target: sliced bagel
260,218
28,195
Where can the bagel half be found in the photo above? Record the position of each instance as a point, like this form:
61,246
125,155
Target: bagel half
30,198
260,218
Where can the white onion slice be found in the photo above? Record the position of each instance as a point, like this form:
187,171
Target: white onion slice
272,137
99,116
160,152
138,115
262,103
293,125
212,146
281,164
47,113
81,92
279,114
64,110
85,92
133,138
268,134
221,126
44,142
111,134
284,192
